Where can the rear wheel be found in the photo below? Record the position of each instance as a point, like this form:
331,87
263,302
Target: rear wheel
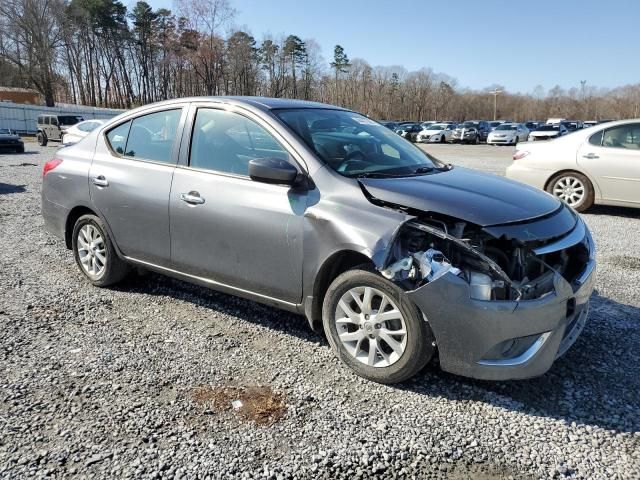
374,328
574,189
94,252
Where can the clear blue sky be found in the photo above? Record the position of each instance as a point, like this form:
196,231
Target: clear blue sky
518,44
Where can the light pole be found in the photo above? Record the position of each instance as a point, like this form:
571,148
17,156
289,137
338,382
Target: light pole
495,101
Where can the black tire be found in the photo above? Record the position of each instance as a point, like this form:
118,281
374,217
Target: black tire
42,139
420,341
477,140
443,139
589,197
20,150
115,269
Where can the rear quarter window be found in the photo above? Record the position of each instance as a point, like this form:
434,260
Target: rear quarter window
596,138
117,137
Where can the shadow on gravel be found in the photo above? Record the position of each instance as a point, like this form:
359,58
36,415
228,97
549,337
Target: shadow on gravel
6,188
626,212
595,383
263,315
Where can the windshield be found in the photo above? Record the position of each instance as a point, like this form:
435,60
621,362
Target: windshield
548,128
494,124
506,127
469,124
436,127
69,119
354,145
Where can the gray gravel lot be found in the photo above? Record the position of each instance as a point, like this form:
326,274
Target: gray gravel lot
103,382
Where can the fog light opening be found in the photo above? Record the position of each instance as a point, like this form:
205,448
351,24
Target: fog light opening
571,307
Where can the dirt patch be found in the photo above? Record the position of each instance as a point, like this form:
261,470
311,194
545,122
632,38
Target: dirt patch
259,404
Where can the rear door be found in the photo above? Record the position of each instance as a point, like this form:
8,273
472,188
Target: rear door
130,180
226,227
612,157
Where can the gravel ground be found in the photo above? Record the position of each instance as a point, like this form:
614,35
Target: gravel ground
136,381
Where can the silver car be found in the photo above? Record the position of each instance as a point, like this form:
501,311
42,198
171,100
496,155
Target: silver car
321,211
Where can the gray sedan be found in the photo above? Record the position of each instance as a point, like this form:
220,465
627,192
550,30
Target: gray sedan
321,211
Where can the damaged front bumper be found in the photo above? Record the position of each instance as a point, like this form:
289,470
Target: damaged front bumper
502,340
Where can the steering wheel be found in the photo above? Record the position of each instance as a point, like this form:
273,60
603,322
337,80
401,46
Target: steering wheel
352,161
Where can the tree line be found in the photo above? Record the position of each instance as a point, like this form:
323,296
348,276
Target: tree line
100,53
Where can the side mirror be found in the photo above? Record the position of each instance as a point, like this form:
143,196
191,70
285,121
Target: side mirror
272,170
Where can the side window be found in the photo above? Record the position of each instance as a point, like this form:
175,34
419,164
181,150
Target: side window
596,138
225,142
151,136
53,120
624,136
117,137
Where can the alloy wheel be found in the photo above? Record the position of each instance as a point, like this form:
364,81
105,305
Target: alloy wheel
570,190
371,326
92,250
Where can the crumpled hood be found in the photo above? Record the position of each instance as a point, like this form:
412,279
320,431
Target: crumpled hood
472,196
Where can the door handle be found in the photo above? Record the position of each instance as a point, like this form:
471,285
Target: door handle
192,198
100,181
590,156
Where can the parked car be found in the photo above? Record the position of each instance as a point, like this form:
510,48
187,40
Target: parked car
572,125
9,140
508,134
80,130
409,131
436,133
555,120
600,164
52,127
390,125
472,131
318,210
532,125
494,124
547,132
427,124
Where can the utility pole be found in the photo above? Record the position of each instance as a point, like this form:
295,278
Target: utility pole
583,84
495,101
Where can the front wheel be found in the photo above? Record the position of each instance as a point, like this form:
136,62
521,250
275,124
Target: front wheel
574,189
94,252
374,328
42,139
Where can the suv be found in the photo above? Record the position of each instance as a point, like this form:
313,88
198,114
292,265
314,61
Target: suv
321,211
52,127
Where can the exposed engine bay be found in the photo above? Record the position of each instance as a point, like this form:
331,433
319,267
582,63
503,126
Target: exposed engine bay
496,269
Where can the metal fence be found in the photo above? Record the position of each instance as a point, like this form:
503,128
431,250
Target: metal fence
22,118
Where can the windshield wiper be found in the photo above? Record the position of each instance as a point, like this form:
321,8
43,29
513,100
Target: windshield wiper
423,170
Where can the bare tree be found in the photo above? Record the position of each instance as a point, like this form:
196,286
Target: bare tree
30,35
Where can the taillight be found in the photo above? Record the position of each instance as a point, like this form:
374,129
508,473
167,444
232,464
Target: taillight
50,165
520,154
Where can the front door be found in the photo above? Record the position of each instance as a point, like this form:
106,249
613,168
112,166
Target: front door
130,181
226,227
612,157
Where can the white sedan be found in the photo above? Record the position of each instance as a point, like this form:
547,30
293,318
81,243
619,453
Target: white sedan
599,164
436,133
78,131
508,134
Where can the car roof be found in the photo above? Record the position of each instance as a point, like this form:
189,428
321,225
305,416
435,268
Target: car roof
262,103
